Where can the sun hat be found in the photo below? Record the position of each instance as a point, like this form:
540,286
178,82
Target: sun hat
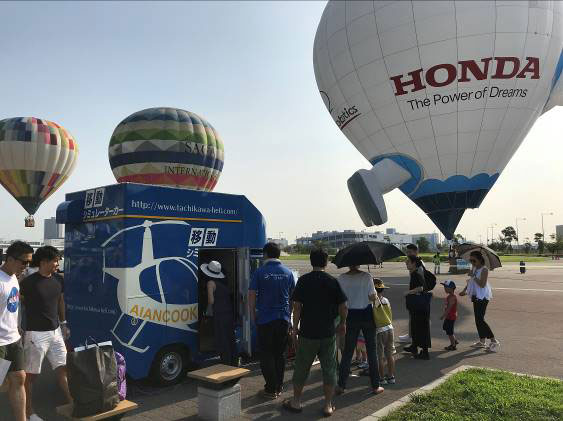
378,283
448,284
212,269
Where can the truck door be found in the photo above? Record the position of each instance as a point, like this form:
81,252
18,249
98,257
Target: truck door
243,266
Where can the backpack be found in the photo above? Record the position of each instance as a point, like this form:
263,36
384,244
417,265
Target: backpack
429,279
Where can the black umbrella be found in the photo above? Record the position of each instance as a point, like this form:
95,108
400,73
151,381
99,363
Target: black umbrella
492,261
366,253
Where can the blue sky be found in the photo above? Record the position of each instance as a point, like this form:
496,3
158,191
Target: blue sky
247,68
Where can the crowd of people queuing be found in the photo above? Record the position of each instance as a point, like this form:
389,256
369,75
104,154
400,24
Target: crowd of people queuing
322,315
28,337
319,314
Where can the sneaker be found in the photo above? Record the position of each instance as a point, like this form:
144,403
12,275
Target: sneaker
363,365
478,344
383,381
405,339
35,417
378,391
391,380
494,346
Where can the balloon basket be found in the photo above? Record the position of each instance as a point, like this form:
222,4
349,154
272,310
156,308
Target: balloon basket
29,221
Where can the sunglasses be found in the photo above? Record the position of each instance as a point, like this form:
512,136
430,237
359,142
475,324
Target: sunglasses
23,262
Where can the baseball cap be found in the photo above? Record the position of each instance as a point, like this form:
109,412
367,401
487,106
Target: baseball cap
448,284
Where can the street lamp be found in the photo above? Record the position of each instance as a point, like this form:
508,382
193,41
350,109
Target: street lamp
517,236
542,230
492,235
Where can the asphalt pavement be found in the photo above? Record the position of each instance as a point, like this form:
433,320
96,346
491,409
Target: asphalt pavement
525,315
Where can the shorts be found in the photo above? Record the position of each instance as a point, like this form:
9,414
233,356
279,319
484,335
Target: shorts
38,345
385,344
307,350
13,352
448,326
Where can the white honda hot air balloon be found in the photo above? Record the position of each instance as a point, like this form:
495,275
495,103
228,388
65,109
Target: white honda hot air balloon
437,95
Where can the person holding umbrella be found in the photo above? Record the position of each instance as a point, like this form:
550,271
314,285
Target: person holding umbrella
479,289
358,286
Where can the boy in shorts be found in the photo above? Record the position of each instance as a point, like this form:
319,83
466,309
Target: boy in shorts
450,314
384,333
45,324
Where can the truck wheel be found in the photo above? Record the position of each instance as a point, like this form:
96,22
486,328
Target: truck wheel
170,365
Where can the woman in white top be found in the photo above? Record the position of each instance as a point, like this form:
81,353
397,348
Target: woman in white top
479,289
358,287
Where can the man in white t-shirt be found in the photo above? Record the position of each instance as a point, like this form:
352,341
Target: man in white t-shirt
18,257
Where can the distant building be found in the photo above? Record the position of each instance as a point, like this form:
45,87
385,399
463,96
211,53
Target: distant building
432,239
304,241
58,243
341,239
559,231
281,242
4,244
52,230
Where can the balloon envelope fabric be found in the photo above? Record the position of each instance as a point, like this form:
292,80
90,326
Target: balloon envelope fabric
167,146
36,158
446,90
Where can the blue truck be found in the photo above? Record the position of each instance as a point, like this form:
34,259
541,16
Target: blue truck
132,262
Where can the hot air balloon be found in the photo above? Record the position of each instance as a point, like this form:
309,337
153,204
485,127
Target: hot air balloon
437,95
167,146
36,158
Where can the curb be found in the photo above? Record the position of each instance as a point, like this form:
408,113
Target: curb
386,410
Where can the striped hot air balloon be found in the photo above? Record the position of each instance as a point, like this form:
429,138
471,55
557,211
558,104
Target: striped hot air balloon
167,146
36,158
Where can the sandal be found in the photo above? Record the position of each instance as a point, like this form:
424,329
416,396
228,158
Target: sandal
288,405
450,348
327,414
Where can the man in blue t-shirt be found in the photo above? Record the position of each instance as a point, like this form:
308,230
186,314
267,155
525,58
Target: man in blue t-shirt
269,296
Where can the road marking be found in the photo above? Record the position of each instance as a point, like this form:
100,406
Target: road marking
531,289
508,289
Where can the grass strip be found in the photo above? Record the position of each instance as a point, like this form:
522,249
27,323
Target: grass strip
486,395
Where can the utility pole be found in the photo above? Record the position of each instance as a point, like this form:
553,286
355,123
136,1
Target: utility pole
542,230
518,235
492,235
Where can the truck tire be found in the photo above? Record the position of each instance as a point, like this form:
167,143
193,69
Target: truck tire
170,365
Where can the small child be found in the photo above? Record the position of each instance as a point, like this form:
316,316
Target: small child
361,353
450,313
437,262
384,333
